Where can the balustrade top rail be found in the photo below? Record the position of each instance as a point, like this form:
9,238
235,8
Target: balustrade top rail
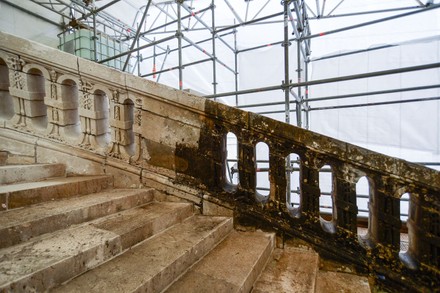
71,101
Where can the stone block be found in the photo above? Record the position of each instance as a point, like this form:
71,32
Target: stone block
162,92
93,70
76,160
125,125
62,117
15,147
169,132
123,137
35,108
37,51
62,104
93,114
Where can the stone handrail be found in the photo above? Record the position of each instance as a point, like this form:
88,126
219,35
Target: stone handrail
144,132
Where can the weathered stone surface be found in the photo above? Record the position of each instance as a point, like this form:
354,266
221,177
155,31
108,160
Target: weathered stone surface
23,194
139,223
289,270
25,173
47,261
20,225
152,265
38,51
341,282
232,266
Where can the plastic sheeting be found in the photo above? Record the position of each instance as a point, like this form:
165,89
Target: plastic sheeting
407,130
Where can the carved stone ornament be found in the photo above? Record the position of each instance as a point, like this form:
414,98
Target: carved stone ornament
16,63
115,96
53,91
18,80
55,115
138,117
53,75
117,113
86,101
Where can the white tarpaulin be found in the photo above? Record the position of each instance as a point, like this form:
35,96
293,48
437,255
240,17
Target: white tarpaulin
400,129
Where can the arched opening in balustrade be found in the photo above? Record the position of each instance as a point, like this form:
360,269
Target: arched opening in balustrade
6,103
363,191
128,116
37,92
231,161
326,198
102,113
293,183
71,121
262,171
404,216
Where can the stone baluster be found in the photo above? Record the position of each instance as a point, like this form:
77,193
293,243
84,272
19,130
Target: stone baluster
345,201
137,131
62,107
423,231
121,124
384,220
246,165
6,103
309,186
17,89
277,175
86,114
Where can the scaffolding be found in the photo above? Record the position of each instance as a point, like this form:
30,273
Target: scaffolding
78,14
173,22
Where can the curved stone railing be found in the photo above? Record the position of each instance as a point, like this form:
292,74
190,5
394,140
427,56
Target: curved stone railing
66,109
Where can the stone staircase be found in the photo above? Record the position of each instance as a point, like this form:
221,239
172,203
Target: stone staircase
78,234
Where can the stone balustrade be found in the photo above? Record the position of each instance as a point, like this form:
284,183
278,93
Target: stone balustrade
66,109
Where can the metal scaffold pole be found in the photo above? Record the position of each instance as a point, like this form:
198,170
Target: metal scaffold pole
214,59
179,41
286,88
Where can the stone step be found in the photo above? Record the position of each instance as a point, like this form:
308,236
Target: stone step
3,157
290,270
27,173
341,282
22,224
232,266
51,259
154,263
24,194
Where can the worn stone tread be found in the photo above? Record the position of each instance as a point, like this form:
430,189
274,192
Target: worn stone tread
290,270
25,173
23,194
22,224
38,265
232,266
50,259
139,223
154,263
341,282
